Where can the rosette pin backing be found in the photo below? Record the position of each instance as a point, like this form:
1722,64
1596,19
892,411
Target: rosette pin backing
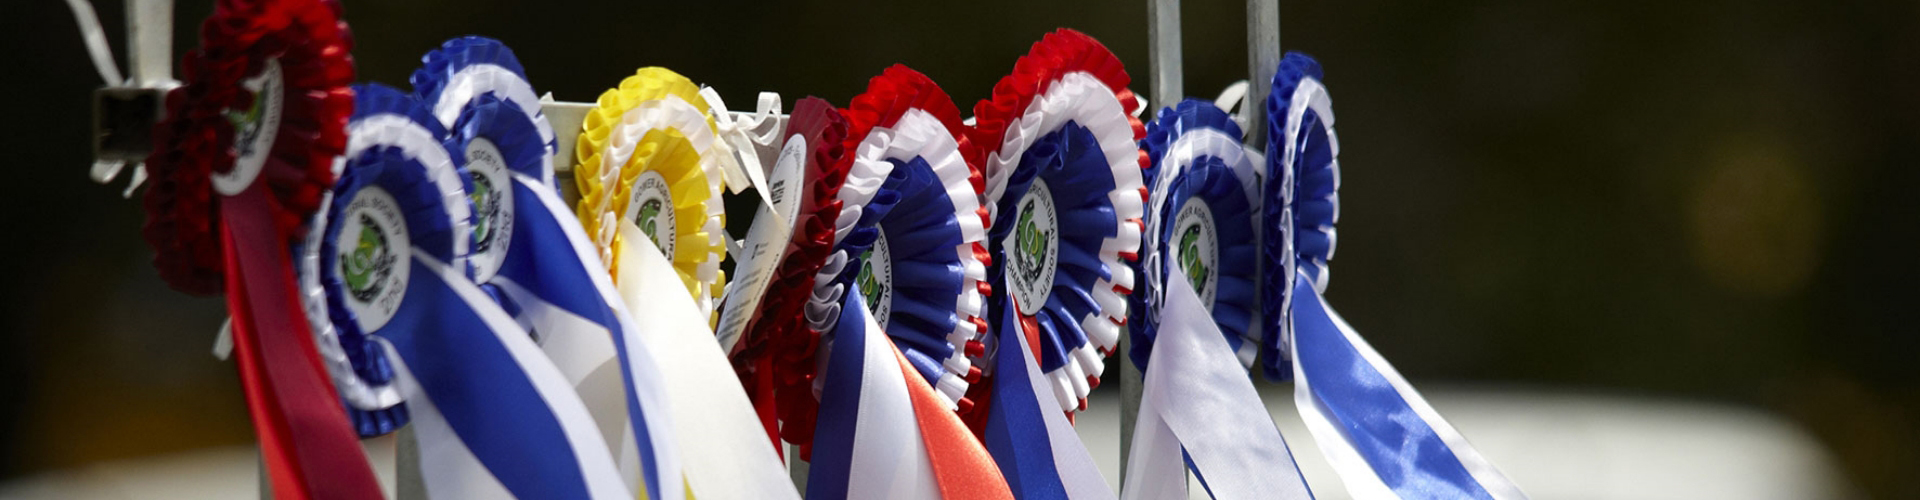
648,155
1303,189
398,192
1200,218
477,90
264,97
924,275
1057,142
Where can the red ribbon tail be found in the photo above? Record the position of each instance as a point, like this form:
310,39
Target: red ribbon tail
961,465
764,405
309,449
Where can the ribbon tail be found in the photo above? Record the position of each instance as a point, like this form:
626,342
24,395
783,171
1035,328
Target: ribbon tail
504,403
1380,435
1197,388
727,454
309,449
1036,448
961,466
553,270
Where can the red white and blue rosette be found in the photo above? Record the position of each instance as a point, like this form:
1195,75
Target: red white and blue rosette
1200,217
923,276
1373,427
1058,144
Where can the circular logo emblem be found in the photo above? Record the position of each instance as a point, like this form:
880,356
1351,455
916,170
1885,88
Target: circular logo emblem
876,280
254,129
1033,249
1195,248
373,257
652,210
492,197
784,180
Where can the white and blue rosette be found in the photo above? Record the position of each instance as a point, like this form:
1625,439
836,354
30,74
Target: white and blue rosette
474,74
1380,435
531,254
393,262
1200,216
1194,319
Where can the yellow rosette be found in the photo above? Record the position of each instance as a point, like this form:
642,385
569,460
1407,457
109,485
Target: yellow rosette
648,156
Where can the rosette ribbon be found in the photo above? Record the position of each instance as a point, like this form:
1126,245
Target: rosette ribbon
238,166
1057,143
924,274
1198,407
886,423
764,323
647,158
533,256
1379,434
494,417
649,153
883,432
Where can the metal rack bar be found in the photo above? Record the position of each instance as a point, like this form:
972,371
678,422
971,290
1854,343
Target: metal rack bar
1263,58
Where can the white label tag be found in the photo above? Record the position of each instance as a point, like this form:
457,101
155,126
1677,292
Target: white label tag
766,244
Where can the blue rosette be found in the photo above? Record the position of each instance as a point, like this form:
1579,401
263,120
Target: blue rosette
397,191
1200,217
478,90
1303,172
480,75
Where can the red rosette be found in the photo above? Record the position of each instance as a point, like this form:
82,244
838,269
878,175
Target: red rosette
782,342
1062,52
309,44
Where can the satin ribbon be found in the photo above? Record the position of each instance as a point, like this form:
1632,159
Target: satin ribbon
562,291
494,417
1199,407
1030,438
883,433
307,447
727,454
1379,434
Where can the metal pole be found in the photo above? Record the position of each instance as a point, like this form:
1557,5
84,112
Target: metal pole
1163,58
149,42
1263,58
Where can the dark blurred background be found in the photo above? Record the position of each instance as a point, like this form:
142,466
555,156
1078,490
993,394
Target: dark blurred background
1699,200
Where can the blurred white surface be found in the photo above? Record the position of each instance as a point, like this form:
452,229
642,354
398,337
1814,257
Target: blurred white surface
1556,446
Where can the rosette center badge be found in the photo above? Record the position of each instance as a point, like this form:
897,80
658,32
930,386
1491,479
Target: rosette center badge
254,129
372,237
652,210
1036,249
